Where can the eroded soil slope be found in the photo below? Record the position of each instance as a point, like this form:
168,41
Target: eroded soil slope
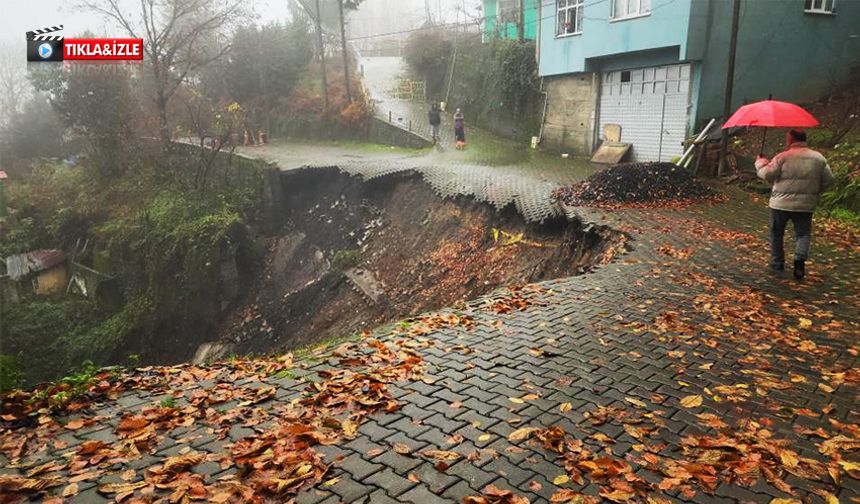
355,254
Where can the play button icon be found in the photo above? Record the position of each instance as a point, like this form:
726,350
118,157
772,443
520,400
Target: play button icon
45,50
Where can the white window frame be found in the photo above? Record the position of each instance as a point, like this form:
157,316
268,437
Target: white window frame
643,8
568,9
820,7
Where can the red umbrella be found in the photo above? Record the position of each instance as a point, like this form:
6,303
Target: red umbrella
771,114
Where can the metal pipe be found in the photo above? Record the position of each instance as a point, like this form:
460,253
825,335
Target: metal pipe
699,138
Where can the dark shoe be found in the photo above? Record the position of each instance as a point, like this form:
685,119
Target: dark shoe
777,266
799,269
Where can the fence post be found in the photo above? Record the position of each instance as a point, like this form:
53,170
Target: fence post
410,125
389,116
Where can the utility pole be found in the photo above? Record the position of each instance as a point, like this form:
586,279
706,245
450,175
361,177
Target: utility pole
427,12
322,57
521,21
730,80
345,54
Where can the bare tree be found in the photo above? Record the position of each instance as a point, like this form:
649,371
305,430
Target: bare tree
179,38
14,87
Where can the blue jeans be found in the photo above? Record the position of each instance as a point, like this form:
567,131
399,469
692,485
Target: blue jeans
434,131
802,222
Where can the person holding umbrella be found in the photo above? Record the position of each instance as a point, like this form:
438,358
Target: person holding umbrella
799,176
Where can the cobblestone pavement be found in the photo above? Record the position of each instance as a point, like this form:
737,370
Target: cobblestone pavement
688,312
526,186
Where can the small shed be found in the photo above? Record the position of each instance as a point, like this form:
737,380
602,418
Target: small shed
47,269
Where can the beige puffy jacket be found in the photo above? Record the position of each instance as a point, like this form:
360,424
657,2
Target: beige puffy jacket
799,175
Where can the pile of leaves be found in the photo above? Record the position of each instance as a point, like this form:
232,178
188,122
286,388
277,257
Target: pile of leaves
636,185
277,460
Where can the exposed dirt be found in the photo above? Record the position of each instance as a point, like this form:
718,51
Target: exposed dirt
356,254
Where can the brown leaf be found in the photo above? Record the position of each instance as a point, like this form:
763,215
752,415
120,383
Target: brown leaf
75,424
636,402
402,448
117,488
70,491
22,484
181,463
522,433
565,407
349,428
441,454
535,486
617,495
572,496
691,401
413,478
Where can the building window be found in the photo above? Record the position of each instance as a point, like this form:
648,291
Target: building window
630,8
821,6
569,17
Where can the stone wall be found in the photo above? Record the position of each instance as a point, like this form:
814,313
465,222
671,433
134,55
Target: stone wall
570,113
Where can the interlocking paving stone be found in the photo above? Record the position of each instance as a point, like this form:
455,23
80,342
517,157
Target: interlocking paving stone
401,464
358,468
476,477
422,495
393,483
350,490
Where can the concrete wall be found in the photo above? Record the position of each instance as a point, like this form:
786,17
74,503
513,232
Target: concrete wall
665,27
569,122
782,50
388,134
494,28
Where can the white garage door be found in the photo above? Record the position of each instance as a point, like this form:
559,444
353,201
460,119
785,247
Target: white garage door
651,106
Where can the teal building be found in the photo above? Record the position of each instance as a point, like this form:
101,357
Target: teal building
501,17
658,67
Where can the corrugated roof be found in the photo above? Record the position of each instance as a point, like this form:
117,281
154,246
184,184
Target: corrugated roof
20,265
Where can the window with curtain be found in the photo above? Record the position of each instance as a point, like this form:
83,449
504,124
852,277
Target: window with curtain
569,14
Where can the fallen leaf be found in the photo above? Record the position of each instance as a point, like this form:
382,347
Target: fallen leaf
522,433
413,478
565,407
516,400
635,402
441,454
691,401
118,488
561,479
402,448
70,491
535,486
75,424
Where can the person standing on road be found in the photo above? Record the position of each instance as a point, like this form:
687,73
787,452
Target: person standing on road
435,119
799,176
459,130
